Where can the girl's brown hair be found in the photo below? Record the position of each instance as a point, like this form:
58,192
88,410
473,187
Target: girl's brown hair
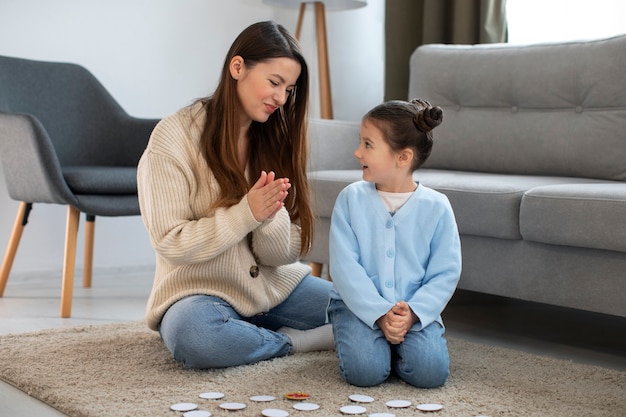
407,124
278,145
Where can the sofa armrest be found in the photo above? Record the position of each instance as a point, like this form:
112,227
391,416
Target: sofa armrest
332,144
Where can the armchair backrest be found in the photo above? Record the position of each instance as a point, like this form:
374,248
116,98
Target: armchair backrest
83,121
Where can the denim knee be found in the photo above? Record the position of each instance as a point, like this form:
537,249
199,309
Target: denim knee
363,353
190,354
422,360
206,332
431,374
367,374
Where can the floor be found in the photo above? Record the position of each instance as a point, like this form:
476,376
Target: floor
31,303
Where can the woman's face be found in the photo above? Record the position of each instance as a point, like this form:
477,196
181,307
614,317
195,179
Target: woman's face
265,87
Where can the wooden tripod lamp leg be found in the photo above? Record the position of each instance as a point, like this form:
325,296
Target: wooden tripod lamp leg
300,18
69,261
326,103
14,241
322,56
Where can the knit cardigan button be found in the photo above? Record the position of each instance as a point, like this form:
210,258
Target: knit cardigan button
254,271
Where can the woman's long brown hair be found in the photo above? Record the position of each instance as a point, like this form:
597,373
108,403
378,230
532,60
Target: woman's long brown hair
278,145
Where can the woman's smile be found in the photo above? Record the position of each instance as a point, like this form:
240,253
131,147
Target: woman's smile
270,108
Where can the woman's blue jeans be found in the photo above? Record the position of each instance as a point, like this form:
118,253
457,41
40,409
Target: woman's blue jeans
366,358
204,331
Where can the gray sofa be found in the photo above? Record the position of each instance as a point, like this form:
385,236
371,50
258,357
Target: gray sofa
532,156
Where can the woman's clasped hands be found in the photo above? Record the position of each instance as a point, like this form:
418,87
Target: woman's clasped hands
267,195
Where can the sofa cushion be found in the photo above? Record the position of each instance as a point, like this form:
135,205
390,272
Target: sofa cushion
546,109
484,204
325,187
332,143
576,215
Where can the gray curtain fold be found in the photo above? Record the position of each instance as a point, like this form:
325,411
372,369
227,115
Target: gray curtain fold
410,23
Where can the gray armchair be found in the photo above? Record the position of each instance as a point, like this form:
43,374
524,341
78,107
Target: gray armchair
65,140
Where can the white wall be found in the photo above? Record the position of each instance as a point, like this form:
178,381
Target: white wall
155,56
564,20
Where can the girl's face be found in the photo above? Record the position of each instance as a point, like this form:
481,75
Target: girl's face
265,87
381,164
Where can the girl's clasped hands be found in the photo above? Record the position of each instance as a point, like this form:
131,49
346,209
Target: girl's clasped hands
397,322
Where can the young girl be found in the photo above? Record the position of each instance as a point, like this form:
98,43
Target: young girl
395,255
224,196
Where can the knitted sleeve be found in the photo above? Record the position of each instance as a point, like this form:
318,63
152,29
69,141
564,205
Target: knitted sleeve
176,191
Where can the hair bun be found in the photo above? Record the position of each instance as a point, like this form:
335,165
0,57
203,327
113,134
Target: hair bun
427,116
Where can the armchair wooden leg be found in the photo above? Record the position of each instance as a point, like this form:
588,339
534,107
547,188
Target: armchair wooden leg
90,230
16,235
69,261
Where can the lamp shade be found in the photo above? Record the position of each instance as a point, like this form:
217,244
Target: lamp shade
328,4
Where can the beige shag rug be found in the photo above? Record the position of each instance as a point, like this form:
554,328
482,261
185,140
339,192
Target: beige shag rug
124,370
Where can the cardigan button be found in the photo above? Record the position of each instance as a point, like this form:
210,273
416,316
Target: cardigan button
254,271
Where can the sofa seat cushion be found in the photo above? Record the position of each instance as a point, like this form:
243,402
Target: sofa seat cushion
576,215
484,204
326,186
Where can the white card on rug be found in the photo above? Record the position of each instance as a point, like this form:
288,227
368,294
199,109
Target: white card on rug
212,395
361,398
274,412
262,398
353,409
232,406
398,403
381,415
197,413
184,406
306,406
429,407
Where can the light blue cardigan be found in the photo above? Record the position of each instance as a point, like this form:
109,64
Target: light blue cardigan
377,259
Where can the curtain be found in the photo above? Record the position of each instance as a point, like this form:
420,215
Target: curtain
410,23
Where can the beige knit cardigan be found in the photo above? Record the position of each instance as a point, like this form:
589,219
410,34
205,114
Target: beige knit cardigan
200,250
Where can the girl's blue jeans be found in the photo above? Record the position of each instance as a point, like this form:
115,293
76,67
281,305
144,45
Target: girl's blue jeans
366,358
204,331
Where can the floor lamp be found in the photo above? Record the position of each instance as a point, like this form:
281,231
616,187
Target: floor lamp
326,103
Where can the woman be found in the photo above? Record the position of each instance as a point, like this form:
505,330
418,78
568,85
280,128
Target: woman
224,196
